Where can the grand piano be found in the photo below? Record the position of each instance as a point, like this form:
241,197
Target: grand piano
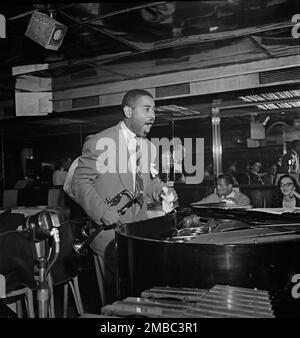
202,246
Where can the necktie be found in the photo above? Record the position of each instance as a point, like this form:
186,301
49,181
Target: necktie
139,185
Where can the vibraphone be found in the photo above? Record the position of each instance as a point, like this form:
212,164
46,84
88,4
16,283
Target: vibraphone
220,301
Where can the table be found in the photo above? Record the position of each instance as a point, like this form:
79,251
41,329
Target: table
62,212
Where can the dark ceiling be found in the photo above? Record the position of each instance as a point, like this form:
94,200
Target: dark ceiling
135,28
136,31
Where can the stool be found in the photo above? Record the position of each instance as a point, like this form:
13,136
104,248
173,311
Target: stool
17,294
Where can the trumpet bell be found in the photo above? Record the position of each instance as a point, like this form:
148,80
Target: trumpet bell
80,247
85,231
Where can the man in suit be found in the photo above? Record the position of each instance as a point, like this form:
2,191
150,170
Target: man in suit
225,193
271,176
108,165
256,194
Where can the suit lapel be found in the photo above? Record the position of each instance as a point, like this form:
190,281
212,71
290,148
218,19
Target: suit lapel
122,158
145,173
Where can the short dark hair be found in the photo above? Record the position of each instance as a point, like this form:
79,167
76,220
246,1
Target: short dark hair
61,162
255,161
132,95
227,178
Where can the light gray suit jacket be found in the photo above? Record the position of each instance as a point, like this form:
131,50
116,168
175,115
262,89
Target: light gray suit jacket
91,185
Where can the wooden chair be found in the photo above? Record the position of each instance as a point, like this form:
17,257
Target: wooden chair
71,283
64,272
15,243
14,298
74,286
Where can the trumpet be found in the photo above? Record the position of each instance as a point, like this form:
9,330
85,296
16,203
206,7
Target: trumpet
91,229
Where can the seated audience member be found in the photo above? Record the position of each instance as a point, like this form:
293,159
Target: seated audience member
270,179
288,193
256,194
232,171
272,175
208,171
225,193
255,177
60,174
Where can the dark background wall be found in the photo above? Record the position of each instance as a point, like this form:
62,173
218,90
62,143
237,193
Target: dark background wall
51,147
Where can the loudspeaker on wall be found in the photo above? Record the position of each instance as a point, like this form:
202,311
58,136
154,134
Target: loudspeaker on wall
46,31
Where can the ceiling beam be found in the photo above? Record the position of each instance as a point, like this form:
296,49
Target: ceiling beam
105,32
123,11
260,46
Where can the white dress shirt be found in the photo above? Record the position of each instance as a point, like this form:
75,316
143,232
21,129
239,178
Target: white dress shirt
229,198
146,151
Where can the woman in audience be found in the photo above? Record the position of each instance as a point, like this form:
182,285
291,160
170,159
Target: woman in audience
288,194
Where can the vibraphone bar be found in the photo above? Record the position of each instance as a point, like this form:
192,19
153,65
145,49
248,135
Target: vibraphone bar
220,301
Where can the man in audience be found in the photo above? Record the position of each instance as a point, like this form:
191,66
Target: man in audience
255,177
225,193
256,193
271,177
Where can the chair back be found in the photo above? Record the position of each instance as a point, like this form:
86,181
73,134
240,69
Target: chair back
10,198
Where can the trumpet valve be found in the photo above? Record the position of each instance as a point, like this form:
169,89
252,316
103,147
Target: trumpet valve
107,201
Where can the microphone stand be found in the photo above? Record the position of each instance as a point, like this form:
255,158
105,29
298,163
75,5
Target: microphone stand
43,291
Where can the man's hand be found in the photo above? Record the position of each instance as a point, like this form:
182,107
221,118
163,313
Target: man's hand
169,198
170,194
296,194
111,217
